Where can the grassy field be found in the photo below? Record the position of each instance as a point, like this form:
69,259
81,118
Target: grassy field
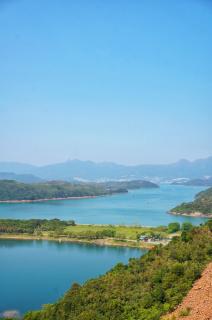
56,229
120,231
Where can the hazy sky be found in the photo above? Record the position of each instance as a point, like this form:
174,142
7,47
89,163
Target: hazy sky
128,81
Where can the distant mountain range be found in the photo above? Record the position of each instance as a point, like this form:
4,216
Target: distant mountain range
88,170
26,178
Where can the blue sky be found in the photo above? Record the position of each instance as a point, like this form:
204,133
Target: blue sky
123,81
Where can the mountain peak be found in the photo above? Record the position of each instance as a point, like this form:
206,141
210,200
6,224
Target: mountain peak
90,170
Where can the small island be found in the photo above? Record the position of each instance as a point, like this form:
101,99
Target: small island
13,191
200,207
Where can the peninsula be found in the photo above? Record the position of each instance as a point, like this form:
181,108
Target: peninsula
13,191
200,207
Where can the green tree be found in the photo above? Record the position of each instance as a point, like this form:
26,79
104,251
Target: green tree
145,289
173,227
186,226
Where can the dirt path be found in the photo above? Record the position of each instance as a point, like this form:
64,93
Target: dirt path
197,305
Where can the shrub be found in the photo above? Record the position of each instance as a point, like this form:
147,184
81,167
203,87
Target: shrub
185,312
173,227
186,226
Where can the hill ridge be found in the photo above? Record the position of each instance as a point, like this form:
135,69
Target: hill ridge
108,170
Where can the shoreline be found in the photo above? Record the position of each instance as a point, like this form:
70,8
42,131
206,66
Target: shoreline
193,214
67,198
100,242
51,199
62,198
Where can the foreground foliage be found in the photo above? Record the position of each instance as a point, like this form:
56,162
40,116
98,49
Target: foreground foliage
201,204
144,289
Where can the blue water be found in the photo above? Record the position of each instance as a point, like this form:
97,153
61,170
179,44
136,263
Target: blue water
145,206
33,273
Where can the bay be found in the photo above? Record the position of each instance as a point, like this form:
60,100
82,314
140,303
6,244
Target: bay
147,207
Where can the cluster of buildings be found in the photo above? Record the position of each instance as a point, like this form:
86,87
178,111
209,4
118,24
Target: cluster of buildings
150,238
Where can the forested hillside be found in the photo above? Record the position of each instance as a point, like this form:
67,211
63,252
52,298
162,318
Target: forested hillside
201,205
13,190
144,289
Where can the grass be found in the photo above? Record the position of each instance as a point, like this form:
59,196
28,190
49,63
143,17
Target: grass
120,235
122,232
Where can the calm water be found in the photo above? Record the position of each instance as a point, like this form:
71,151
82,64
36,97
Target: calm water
33,273
144,206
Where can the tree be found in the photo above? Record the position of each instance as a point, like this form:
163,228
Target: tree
187,226
173,227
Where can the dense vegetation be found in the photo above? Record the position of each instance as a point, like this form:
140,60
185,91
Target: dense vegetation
13,190
202,204
144,289
33,226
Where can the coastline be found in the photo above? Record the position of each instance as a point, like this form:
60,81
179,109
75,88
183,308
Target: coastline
50,199
111,242
193,214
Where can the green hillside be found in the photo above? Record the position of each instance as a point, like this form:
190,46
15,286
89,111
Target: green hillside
201,205
144,289
13,190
